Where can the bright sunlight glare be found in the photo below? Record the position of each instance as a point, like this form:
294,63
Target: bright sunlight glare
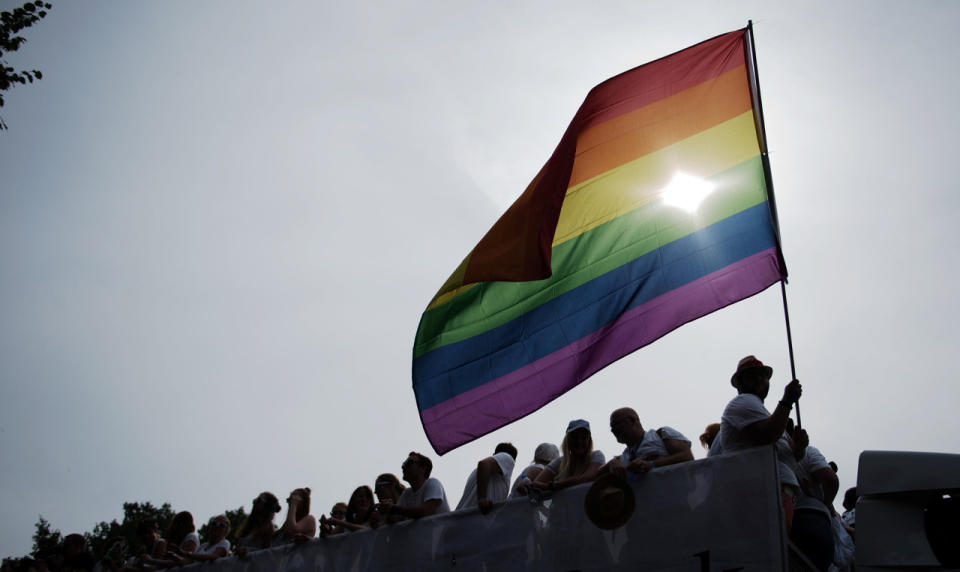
686,192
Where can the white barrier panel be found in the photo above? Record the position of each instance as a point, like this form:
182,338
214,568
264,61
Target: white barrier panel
717,514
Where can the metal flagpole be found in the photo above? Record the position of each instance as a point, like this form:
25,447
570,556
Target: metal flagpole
793,367
765,159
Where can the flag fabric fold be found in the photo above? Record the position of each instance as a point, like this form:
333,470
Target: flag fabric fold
654,210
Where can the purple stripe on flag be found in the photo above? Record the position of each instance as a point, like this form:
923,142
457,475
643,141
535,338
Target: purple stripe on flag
483,409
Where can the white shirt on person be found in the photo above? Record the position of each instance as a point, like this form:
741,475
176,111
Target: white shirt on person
431,489
514,493
742,411
207,548
498,485
652,447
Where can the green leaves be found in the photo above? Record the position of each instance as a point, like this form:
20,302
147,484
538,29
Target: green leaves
11,23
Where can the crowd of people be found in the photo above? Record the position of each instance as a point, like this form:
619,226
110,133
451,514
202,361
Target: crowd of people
808,485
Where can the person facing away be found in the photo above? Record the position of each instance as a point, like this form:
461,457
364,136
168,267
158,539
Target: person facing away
490,481
645,450
580,463
425,497
544,453
182,533
746,423
709,435
257,531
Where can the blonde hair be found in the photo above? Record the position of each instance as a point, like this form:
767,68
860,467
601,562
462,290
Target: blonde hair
570,467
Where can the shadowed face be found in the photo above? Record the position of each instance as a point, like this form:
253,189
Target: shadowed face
412,470
625,426
754,381
579,441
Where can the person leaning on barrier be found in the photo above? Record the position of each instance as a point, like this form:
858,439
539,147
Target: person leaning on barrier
580,463
490,481
388,489
645,450
542,456
425,496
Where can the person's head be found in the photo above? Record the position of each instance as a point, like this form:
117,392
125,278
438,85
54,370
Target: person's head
578,441
360,505
850,498
545,453
265,505
117,551
752,377
339,511
260,521
416,468
625,426
507,448
834,467
303,507
148,531
388,487
74,544
219,528
180,526
709,434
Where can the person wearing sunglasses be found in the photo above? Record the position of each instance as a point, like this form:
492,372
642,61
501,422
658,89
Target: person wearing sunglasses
218,546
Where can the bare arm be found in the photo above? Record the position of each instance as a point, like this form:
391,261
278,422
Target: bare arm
306,526
593,469
426,509
768,431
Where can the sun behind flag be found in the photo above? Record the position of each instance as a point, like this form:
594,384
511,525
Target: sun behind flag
655,209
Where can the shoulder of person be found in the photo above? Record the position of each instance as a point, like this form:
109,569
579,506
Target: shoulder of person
667,432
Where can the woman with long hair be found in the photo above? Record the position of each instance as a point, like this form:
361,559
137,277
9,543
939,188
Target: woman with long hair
257,531
579,463
182,533
299,525
359,511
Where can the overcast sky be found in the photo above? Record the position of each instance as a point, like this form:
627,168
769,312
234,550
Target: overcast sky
221,221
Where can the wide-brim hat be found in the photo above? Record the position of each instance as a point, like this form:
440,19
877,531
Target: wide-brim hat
748,363
610,502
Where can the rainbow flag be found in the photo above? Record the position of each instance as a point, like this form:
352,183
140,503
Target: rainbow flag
655,209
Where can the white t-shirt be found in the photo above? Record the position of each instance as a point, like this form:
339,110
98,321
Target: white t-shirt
207,548
651,447
595,457
742,411
430,490
513,490
497,486
191,536
813,461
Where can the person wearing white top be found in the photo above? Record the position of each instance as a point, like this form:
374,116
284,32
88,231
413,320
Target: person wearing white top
644,450
425,496
746,423
542,456
490,481
217,546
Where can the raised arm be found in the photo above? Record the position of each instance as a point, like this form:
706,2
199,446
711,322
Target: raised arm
768,431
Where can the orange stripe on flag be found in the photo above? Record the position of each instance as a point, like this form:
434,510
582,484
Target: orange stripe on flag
660,124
